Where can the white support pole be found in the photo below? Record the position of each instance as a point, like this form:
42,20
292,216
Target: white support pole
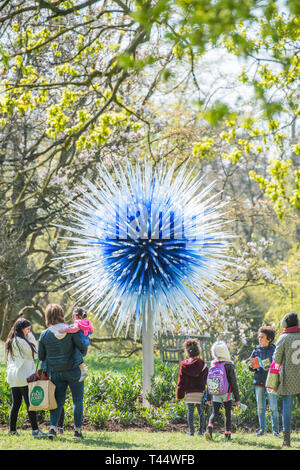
148,360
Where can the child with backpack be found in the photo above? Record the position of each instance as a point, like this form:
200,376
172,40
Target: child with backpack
192,382
222,387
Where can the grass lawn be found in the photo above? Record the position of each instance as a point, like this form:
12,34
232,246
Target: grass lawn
141,440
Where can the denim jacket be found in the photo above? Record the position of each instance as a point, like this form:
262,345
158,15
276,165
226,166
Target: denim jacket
262,352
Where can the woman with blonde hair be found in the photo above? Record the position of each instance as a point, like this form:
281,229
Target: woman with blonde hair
62,353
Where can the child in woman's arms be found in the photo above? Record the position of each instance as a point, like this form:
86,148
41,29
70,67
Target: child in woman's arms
84,327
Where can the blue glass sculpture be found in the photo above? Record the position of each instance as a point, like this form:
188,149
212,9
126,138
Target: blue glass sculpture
147,241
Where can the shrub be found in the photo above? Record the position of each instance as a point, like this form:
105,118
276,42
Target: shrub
163,385
98,388
247,395
125,390
99,414
5,399
154,417
176,411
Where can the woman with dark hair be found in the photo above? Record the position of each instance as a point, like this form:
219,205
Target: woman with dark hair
62,353
20,350
287,354
191,383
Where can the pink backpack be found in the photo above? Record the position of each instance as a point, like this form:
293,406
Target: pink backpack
217,381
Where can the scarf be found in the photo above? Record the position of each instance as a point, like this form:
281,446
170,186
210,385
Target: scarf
291,329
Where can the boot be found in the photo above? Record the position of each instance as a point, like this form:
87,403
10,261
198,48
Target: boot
286,439
208,433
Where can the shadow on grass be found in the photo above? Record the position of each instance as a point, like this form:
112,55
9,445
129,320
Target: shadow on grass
107,443
275,444
268,442
104,442
245,442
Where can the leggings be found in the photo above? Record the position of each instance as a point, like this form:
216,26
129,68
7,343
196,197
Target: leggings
190,416
17,394
216,411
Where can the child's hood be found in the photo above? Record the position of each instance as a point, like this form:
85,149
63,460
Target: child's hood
55,329
194,367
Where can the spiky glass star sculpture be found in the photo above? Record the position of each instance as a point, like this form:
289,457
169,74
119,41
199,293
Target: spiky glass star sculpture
147,241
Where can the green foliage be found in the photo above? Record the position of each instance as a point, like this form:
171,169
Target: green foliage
4,398
286,297
99,414
125,390
163,385
249,416
218,113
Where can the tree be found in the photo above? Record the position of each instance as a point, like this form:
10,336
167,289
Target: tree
76,79
54,124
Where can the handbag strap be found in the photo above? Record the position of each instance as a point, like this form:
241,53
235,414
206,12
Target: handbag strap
37,368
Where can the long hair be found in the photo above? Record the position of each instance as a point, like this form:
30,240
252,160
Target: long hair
17,332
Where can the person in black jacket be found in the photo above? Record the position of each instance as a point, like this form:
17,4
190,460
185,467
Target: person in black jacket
221,355
261,358
62,353
192,382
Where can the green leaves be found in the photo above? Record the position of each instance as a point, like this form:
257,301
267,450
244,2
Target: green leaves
277,188
217,113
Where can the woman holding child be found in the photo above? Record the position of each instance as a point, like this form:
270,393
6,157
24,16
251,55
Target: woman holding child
63,353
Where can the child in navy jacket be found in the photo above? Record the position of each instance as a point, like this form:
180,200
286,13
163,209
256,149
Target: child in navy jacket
260,361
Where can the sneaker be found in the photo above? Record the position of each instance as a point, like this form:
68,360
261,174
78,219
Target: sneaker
276,434
38,433
190,433
83,375
260,432
52,433
77,435
13,433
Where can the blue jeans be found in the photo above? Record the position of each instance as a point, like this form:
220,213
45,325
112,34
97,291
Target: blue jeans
261,395
62,380
287,406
